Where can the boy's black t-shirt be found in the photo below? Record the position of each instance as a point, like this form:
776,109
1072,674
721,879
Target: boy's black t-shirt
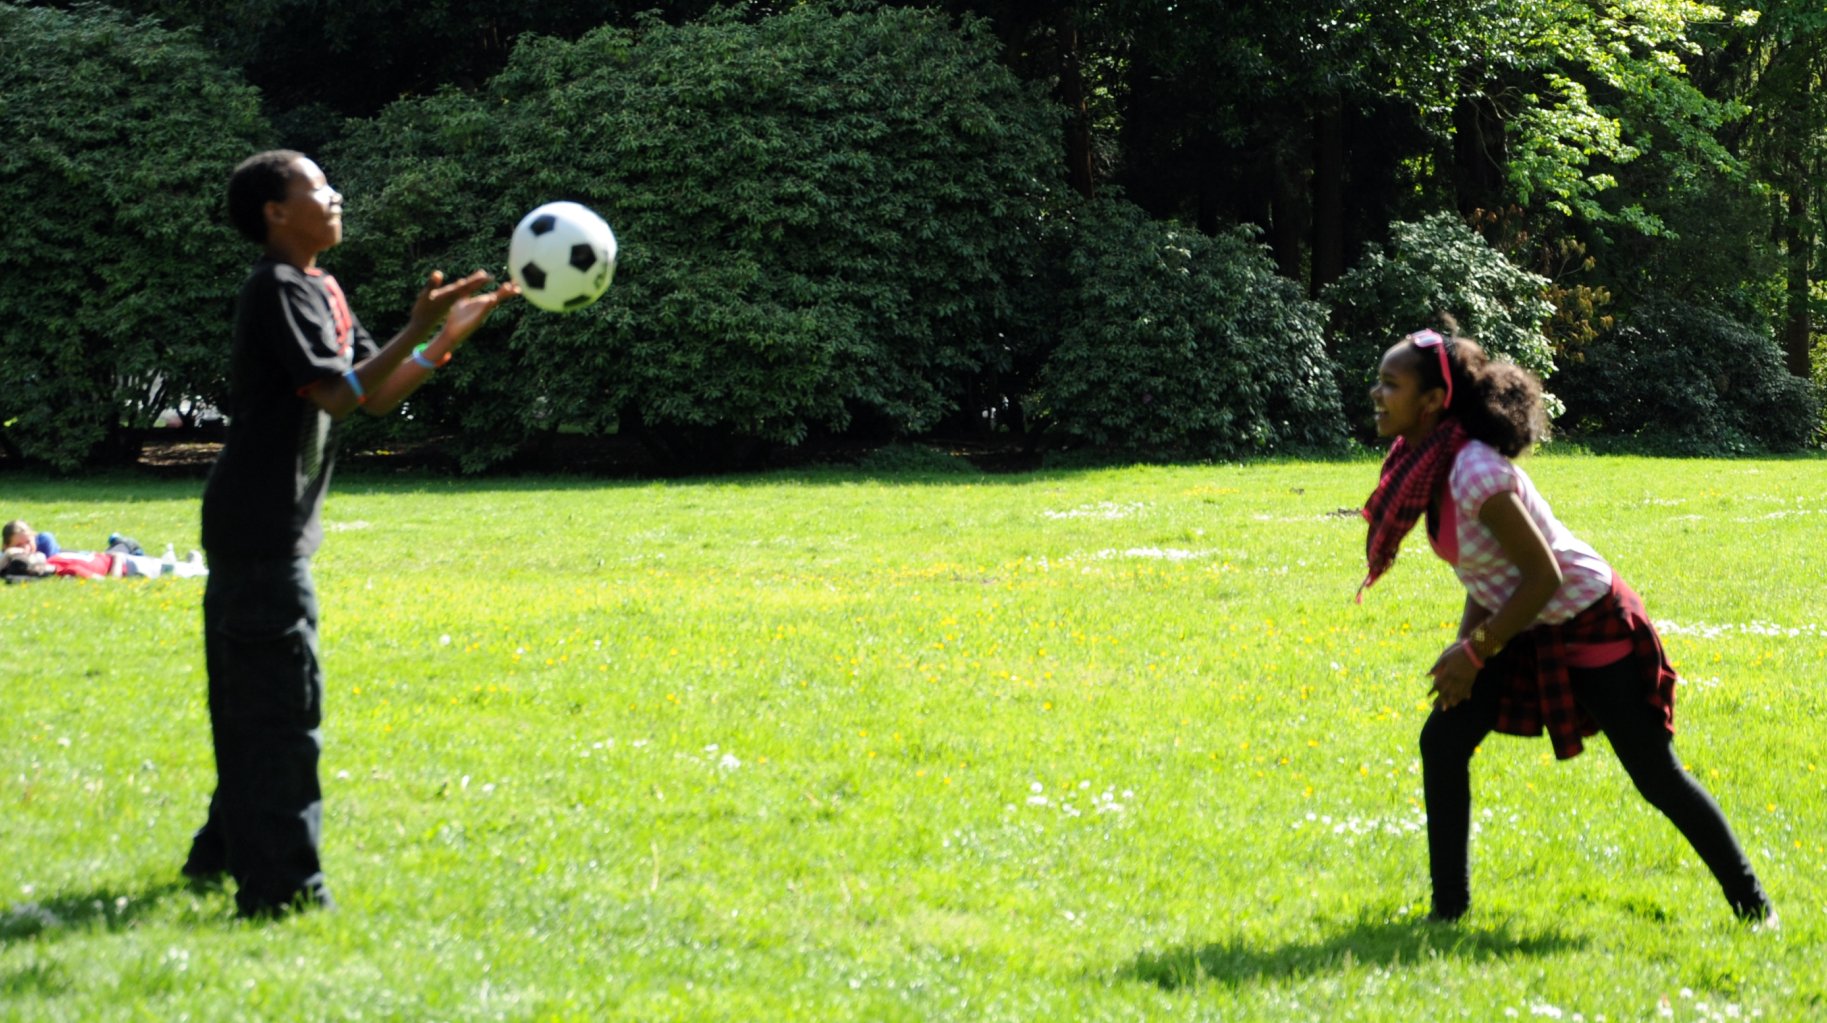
265,495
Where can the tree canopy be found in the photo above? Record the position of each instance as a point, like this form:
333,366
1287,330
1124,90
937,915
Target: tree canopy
117,269
865,219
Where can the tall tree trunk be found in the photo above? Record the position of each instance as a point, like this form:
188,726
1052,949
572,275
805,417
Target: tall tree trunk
1288,209
1328,199
1798,326
1078,109
1480,151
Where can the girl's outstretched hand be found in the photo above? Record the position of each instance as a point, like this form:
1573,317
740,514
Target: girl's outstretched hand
1453,675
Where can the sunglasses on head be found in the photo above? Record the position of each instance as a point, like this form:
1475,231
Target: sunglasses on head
1432,339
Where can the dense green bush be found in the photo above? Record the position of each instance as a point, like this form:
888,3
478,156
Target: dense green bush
818,215
1435,265
1172,342
1687,380
117,271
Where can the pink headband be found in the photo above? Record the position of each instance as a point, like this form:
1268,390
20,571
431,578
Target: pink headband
1432,339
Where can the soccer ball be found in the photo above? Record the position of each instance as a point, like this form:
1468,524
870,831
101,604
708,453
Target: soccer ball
563,256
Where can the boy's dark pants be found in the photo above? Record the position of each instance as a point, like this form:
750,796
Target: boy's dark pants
265,705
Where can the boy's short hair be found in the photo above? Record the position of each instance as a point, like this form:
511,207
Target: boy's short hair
10,530
261,178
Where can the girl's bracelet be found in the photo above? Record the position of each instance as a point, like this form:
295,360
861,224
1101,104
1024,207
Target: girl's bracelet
1471,654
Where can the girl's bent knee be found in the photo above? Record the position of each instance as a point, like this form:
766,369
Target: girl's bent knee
1443,742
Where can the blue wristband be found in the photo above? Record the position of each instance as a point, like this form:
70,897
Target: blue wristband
355,384
418,356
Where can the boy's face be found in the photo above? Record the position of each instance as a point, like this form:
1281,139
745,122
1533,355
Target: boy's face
311,214
23,538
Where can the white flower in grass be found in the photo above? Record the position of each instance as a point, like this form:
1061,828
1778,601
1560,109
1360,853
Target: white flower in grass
729,762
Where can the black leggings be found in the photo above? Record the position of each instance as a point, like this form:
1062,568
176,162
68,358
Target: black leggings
1612,695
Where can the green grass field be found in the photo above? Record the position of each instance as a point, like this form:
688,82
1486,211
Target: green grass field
842,745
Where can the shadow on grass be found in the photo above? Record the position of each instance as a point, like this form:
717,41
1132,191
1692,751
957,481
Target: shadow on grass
1377,944
105,909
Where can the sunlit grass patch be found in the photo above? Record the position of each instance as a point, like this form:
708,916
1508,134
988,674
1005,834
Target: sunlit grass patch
1102,744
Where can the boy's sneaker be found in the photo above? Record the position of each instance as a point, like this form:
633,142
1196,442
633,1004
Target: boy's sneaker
316,899
207,864
204,877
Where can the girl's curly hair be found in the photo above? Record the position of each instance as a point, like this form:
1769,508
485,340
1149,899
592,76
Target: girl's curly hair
1496,400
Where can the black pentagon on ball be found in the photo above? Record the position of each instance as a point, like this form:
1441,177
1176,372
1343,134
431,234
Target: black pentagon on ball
579,300
542,223
533,275
583,256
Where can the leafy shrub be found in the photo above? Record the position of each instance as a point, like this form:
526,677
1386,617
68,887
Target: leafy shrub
117,271
1173,343
1688,380
1434,265
818,212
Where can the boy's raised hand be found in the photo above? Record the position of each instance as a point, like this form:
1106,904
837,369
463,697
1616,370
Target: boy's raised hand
460,304
469,311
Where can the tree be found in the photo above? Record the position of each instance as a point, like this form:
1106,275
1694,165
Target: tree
1683,378
819,211
1786,140
117,271
1430,266
318,63
1174,343
1322,121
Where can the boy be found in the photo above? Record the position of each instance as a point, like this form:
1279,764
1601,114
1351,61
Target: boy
301,361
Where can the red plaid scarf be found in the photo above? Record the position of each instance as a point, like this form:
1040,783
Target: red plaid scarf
1537,692
1412,475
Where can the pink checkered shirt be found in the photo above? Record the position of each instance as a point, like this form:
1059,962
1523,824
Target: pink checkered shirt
1479,473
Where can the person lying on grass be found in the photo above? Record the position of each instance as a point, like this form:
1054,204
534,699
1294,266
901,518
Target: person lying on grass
19,533
116,562
1551,638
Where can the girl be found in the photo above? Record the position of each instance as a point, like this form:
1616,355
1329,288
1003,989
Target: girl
1551,638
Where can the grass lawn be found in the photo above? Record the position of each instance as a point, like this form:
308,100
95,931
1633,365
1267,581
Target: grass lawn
835,745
